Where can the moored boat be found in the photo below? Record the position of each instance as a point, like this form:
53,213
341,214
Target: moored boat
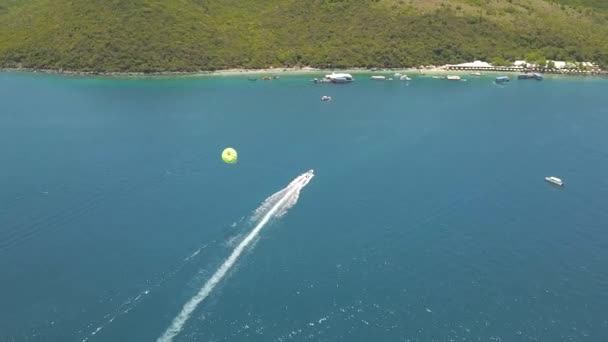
555,180
339,78
530,76
378,77
502,79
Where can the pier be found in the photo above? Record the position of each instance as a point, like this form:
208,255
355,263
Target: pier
564,71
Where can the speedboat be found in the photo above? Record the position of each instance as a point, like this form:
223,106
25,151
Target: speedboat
308,176
475,74
378,77
554,180
325,98
453,78
405,78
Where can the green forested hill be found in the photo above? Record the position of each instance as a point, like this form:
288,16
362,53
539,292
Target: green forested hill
188,35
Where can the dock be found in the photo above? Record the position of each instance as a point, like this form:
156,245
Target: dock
595,72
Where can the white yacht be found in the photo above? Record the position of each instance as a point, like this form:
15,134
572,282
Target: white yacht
378,77
555,180
339,78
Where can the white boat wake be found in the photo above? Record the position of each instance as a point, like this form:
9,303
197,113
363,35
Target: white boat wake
274,206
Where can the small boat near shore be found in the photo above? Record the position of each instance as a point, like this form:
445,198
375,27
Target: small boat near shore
405,78
322,80
453,78
338,78
378,77
475,74
530,76
502,79
555,180
334,78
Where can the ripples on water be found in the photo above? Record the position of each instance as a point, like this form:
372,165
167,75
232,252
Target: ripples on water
428,220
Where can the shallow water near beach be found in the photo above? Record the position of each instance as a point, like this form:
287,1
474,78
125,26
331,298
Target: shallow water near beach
428,218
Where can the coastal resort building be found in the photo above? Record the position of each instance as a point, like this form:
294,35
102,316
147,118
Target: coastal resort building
480,66
557,67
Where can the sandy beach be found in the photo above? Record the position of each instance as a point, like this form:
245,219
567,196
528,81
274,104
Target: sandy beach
275,72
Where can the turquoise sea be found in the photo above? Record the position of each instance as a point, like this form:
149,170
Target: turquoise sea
428,218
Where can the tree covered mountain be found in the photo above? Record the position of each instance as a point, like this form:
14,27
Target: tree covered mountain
190,35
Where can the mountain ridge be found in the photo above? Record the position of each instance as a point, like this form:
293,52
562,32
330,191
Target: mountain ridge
192,35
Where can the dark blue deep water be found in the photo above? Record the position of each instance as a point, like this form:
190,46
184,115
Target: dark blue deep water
428,220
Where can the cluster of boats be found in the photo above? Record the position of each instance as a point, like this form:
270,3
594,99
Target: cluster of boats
347,78
397,75
527,76
449,78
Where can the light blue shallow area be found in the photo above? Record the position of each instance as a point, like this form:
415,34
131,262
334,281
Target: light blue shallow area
428,220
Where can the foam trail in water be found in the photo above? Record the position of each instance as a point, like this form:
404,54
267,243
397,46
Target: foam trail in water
131,303
195,253
274,206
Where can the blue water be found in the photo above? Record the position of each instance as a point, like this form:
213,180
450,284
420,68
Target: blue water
428,218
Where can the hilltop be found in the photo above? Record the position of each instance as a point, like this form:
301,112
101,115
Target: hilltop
191,35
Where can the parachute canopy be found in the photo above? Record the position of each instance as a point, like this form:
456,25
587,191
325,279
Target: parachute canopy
229,155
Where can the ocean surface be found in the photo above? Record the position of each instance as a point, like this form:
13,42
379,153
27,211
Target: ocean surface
428,218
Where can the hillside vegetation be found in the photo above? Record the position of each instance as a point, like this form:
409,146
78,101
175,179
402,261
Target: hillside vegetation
189,35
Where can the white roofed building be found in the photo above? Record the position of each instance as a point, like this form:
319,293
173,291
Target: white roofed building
520,64
475,64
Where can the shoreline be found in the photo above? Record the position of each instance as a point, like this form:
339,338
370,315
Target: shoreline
286,71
